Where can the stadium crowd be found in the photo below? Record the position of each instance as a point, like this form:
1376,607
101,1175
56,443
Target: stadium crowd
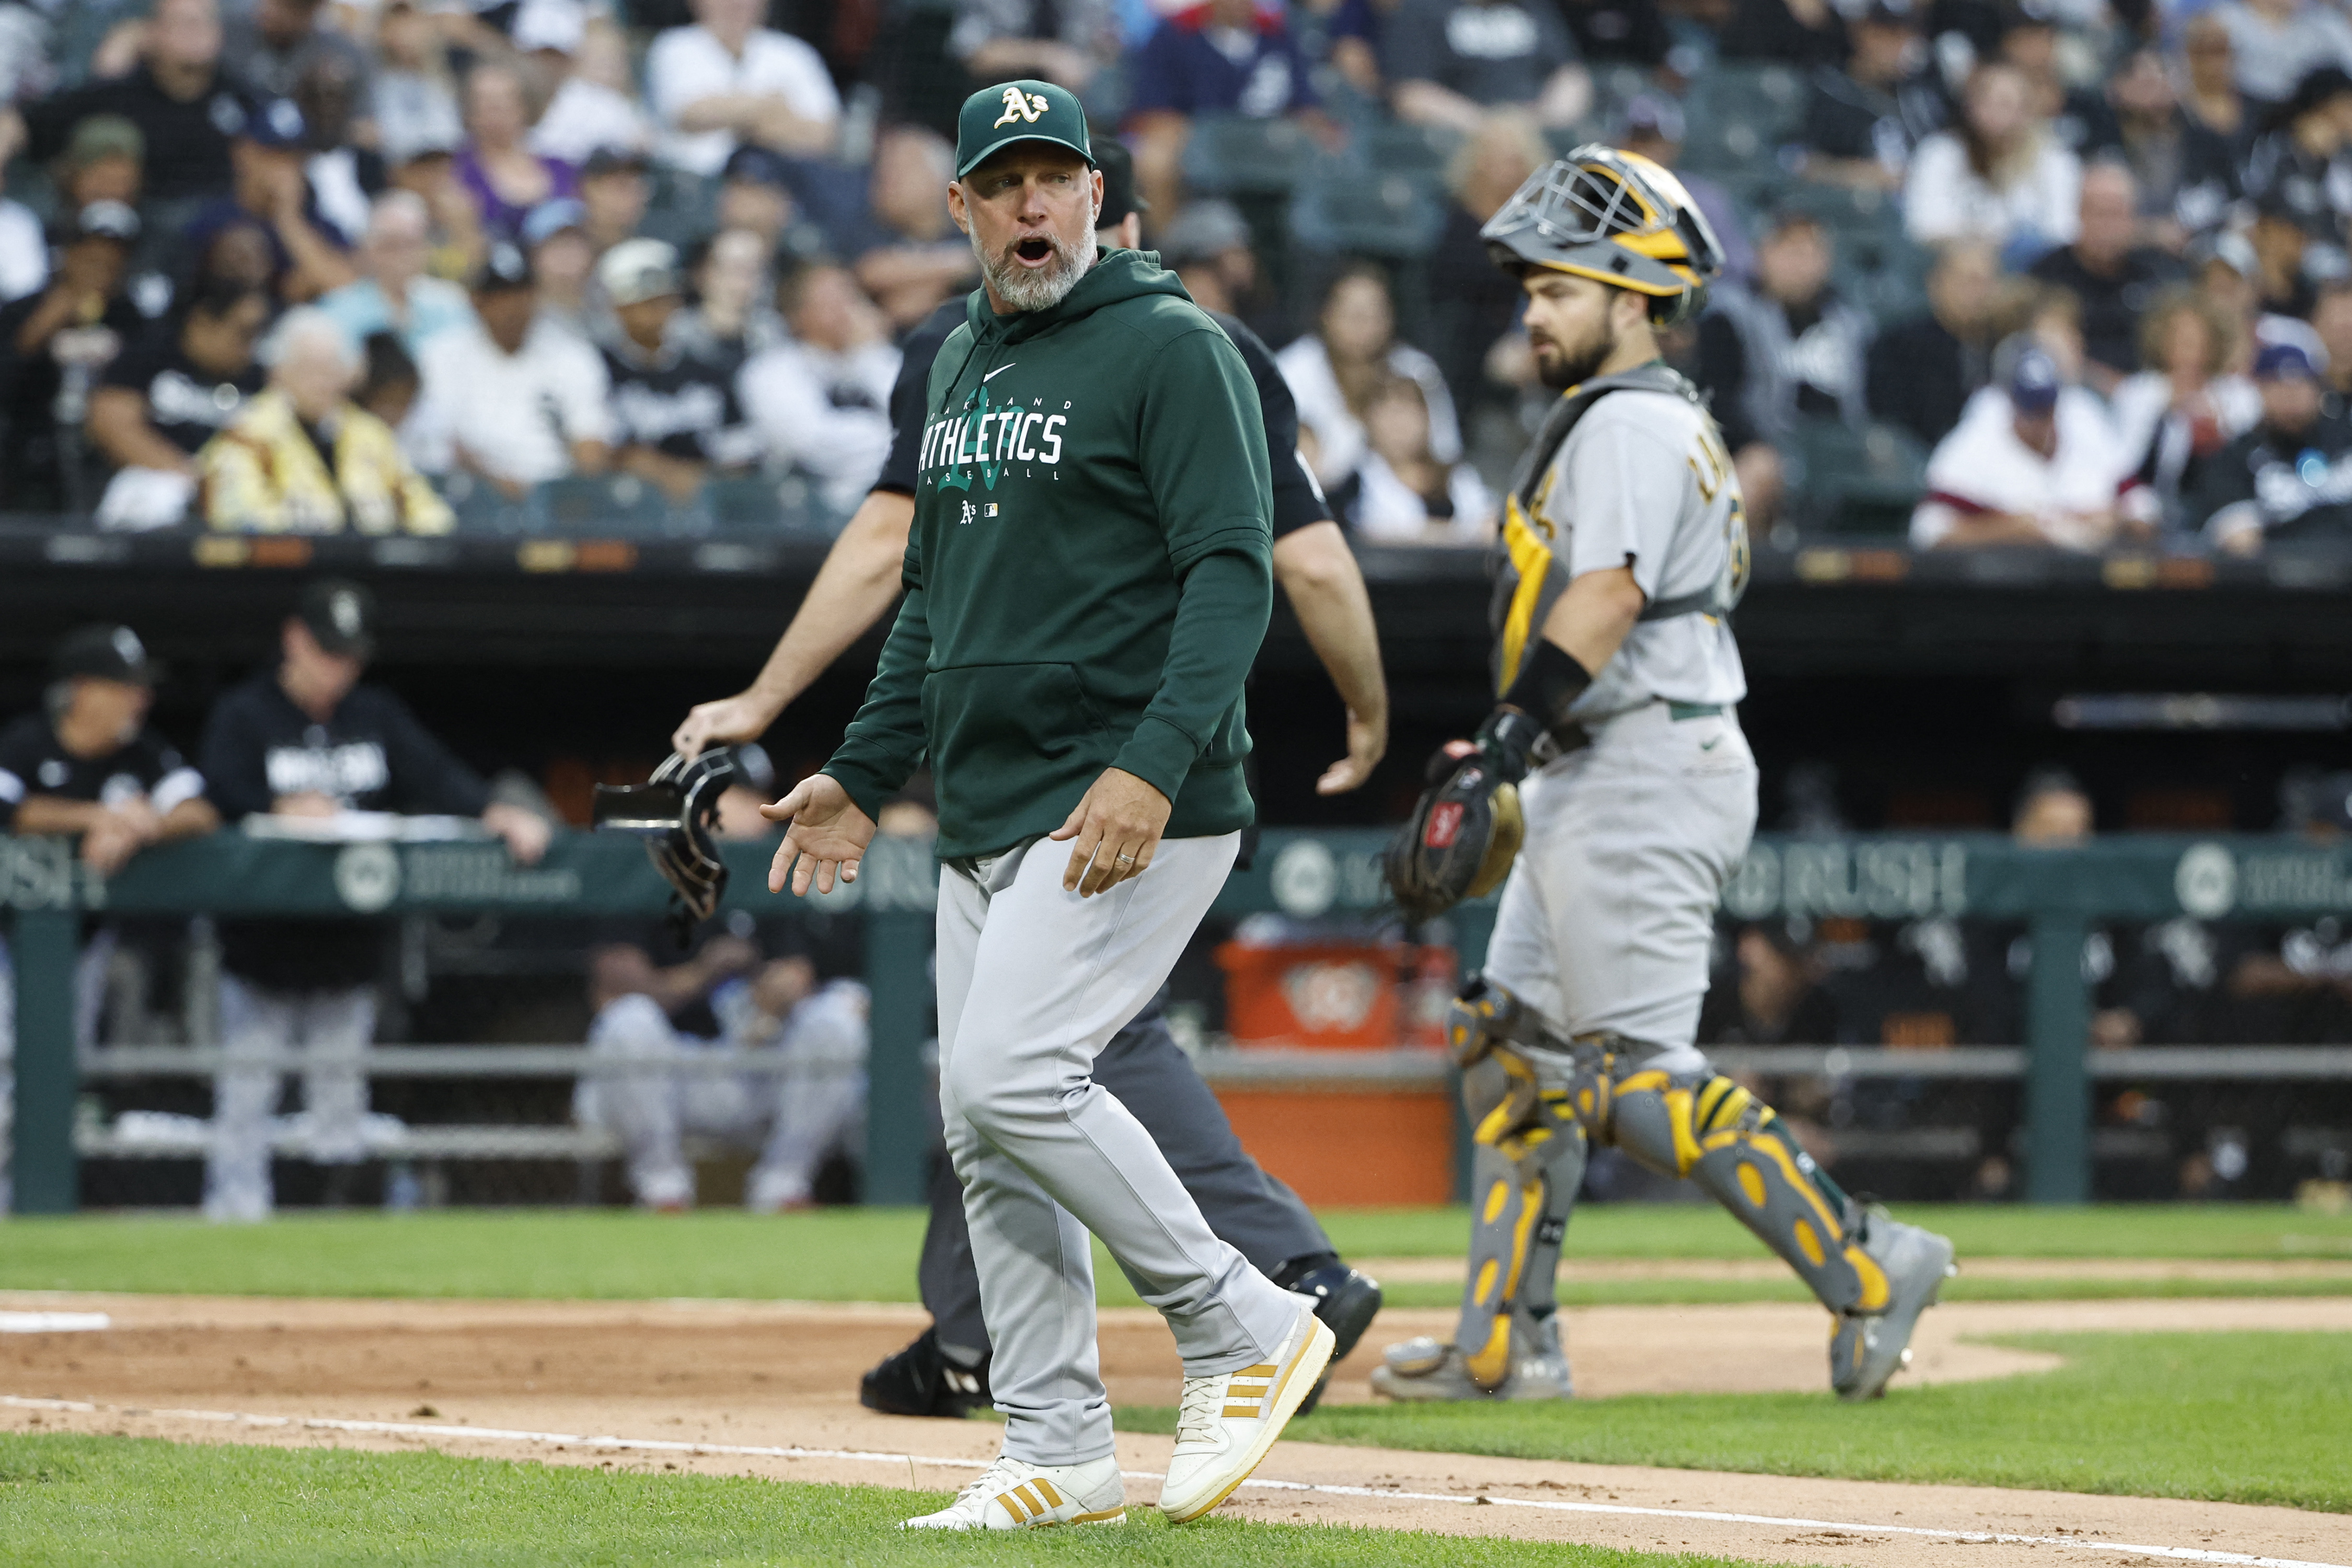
2057,271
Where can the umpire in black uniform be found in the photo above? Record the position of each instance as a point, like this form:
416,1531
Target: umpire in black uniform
945,1371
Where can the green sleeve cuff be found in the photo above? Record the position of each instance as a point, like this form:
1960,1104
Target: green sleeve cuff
866,789
1159,754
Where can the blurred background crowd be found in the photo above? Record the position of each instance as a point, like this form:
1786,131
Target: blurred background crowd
2062,272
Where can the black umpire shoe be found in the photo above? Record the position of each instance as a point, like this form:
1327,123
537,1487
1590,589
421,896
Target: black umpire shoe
919,1381
1345,1299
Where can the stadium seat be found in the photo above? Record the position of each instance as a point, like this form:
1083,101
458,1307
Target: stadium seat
1420,153
1853,481
617,507
1231,155
758,505
482,511
1344,210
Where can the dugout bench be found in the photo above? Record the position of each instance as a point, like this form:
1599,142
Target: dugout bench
2057,893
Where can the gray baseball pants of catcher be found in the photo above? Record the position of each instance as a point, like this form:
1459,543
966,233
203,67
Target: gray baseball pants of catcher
1149,1073
1608,913
1033,983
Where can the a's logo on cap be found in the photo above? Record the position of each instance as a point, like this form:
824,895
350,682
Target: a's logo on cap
343,609
1028,106
126,646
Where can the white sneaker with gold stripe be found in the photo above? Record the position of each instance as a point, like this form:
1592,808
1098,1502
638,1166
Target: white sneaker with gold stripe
1012,1494
1228,1422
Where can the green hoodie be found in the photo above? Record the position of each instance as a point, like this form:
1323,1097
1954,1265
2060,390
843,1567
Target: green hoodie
1089,573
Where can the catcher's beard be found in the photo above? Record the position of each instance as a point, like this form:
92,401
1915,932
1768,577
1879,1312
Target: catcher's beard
1039,289
1567,364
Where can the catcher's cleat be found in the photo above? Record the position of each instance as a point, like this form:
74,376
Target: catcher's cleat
1346,1301
1428,1371
1012,1494
920,1381
1229,1421
1865,1352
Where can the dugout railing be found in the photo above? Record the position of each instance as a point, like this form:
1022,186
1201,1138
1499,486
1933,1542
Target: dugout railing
2056,894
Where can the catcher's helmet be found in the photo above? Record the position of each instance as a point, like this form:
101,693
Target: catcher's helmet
1615,217
674,812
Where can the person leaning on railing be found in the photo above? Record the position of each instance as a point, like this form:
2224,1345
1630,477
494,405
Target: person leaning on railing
304,458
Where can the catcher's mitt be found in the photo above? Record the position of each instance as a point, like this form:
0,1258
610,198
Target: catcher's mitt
673,812
1460,840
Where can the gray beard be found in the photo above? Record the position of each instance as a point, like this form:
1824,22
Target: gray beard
1024,290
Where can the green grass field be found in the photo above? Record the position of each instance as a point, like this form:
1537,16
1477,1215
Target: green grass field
868,1255
2230,1418
133,1503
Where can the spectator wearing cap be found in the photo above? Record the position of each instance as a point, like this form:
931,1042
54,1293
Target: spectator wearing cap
179,384
302,458
821,400
271,43
393,293
185,106
1921,373
1472,304
1220,57
1864,119
101,162
270,190
2187,171
677,418
1654,127
730,316
1997,174
728,81
511,397
414,99
613,195
1209,249
307,740
54,346
2288,480
2275,44
908,254
2115,279
88,766
2186,404
755,192
497,166
1069,42
344,175
1780,350
2288,261
593,103
2033,462
1450,62
1334,370
562,267
2295,171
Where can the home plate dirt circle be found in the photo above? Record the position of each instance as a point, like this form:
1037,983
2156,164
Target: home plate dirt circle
768,1389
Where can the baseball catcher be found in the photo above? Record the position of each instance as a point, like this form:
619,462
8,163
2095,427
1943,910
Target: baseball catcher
1615,750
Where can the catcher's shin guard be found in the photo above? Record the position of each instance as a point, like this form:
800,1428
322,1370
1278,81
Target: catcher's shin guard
1704,1126
1527,1164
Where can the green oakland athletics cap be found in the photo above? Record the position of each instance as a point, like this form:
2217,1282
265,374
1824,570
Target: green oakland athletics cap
997,117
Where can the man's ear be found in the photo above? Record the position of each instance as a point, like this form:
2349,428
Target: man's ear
955,205
1095,217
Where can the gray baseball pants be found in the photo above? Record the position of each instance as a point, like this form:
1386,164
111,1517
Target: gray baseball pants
1033,983
1150,1075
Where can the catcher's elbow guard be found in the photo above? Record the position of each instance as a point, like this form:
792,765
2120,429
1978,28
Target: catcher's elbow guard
1459,843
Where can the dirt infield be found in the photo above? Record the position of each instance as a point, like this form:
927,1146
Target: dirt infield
768,1389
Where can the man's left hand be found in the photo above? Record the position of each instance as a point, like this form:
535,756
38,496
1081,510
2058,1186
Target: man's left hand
526,832
1117,827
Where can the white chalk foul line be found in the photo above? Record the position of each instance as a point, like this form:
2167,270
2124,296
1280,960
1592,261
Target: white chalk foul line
1323,1489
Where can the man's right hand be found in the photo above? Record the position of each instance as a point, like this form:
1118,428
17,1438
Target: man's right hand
828,833
742,717
309,802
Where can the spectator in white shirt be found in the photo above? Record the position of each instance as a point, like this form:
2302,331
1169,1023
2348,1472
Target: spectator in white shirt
727,79
2276,42
514,400
415,98
1998,176
592,104
2033,462
1333,370
822,401
1401,493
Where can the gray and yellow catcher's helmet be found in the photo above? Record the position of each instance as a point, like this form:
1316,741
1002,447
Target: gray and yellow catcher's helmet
1615,217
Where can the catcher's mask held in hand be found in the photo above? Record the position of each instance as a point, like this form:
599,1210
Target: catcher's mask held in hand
674,812
1615,217
1458,844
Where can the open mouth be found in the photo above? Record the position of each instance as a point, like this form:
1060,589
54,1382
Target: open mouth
1033,252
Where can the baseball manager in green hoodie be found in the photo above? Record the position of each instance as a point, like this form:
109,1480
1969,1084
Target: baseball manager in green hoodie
1087,580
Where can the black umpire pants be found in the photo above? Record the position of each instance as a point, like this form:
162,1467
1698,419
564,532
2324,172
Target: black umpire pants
1143,1065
